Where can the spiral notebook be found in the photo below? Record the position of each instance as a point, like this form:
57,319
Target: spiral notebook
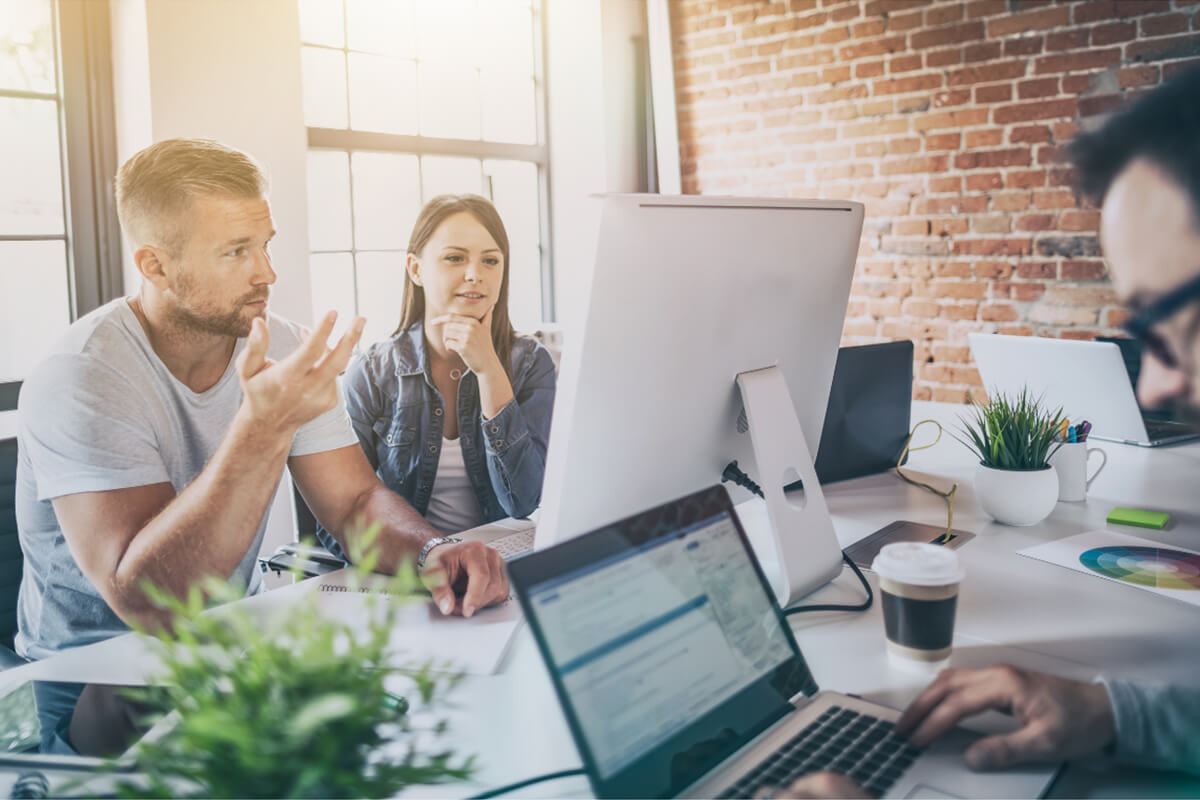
475,645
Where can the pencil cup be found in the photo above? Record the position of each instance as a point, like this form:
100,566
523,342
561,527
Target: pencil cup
1070,462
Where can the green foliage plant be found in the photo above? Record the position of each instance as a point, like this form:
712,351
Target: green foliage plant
293,706
1012,432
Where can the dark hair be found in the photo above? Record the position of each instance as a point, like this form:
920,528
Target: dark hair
1163,126
435,212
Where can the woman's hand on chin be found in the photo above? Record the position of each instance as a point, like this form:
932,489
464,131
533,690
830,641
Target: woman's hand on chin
469,337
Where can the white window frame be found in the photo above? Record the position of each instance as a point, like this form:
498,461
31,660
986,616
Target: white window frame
87,153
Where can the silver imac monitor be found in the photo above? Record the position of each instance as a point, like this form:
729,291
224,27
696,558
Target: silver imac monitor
688,294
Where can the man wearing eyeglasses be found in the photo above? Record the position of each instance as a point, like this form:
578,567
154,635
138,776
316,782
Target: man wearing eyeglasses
1143,169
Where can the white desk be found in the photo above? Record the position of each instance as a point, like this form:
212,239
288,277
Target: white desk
1011,608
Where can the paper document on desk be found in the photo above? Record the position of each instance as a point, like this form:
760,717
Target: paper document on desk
1141,563
474,645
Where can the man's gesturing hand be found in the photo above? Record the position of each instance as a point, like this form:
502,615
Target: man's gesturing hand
1059,718
302,386
465,577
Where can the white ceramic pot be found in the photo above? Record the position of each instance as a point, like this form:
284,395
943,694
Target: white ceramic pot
1016,497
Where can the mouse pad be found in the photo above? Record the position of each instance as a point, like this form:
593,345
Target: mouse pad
863,552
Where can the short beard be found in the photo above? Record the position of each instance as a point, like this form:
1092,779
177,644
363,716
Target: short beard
233,323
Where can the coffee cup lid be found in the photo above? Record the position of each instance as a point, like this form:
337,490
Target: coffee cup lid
918,563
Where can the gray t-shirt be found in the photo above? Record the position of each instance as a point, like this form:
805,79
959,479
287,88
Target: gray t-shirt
102,412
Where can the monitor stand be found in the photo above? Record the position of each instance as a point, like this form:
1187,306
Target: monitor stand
807,552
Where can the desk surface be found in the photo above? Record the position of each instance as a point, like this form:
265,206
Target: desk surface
1011,609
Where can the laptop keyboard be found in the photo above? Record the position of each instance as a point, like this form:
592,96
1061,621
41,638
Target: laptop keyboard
1161,429
864,748
514,544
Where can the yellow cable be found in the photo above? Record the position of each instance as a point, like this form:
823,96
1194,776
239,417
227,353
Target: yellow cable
947,496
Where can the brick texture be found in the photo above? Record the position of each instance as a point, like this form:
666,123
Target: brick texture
948,120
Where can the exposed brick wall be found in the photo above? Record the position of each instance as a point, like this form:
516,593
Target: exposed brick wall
947,118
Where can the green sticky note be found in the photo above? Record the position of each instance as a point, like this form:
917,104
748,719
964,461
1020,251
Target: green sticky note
1139,517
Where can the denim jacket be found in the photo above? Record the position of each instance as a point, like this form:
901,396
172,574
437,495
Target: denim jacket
397,413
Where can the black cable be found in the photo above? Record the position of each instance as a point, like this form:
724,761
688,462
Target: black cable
863,606
512,787
735,475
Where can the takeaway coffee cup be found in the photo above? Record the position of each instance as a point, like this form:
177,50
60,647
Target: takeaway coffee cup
918,585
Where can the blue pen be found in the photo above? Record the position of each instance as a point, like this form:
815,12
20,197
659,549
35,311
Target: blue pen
1071,434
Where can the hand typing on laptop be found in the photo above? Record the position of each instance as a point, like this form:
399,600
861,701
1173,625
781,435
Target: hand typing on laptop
1060,719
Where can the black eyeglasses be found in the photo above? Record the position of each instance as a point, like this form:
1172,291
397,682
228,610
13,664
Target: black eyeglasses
1141,324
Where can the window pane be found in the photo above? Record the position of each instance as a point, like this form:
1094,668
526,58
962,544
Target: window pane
324,76
380,293
449,100
332,276
449,175
525,286
382,26
321,22
387,198
27,46
34,305
514,187
506,36
509,113
30,174
383,94
447,30
328,201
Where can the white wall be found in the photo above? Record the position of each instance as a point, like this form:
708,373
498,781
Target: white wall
589,64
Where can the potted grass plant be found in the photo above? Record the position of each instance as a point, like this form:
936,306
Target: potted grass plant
1013,437
301,705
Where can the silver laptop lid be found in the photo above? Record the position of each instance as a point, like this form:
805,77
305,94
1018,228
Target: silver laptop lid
1087,380
664,642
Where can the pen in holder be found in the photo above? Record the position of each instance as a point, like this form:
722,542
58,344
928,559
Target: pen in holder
1070,462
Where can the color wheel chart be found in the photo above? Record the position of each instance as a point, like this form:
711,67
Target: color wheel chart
1128,560
1160,567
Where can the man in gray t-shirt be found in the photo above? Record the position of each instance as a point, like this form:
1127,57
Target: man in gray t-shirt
154,436
101,413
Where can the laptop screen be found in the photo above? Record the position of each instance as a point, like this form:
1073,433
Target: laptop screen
665,643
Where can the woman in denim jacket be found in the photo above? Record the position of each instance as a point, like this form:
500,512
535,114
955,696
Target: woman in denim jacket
453,410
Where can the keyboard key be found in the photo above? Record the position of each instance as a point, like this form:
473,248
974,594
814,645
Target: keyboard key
875,734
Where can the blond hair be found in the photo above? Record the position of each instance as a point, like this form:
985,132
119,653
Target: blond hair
156,186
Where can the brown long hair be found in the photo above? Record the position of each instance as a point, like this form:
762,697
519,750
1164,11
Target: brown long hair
432,215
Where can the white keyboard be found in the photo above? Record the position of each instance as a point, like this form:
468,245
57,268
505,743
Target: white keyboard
514,544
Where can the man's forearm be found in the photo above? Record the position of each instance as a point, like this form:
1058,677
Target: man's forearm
403,532
206,529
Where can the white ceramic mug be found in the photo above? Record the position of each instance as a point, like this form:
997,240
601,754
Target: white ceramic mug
1070,462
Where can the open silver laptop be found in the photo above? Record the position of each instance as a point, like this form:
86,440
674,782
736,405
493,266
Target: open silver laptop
1089,380
678,675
